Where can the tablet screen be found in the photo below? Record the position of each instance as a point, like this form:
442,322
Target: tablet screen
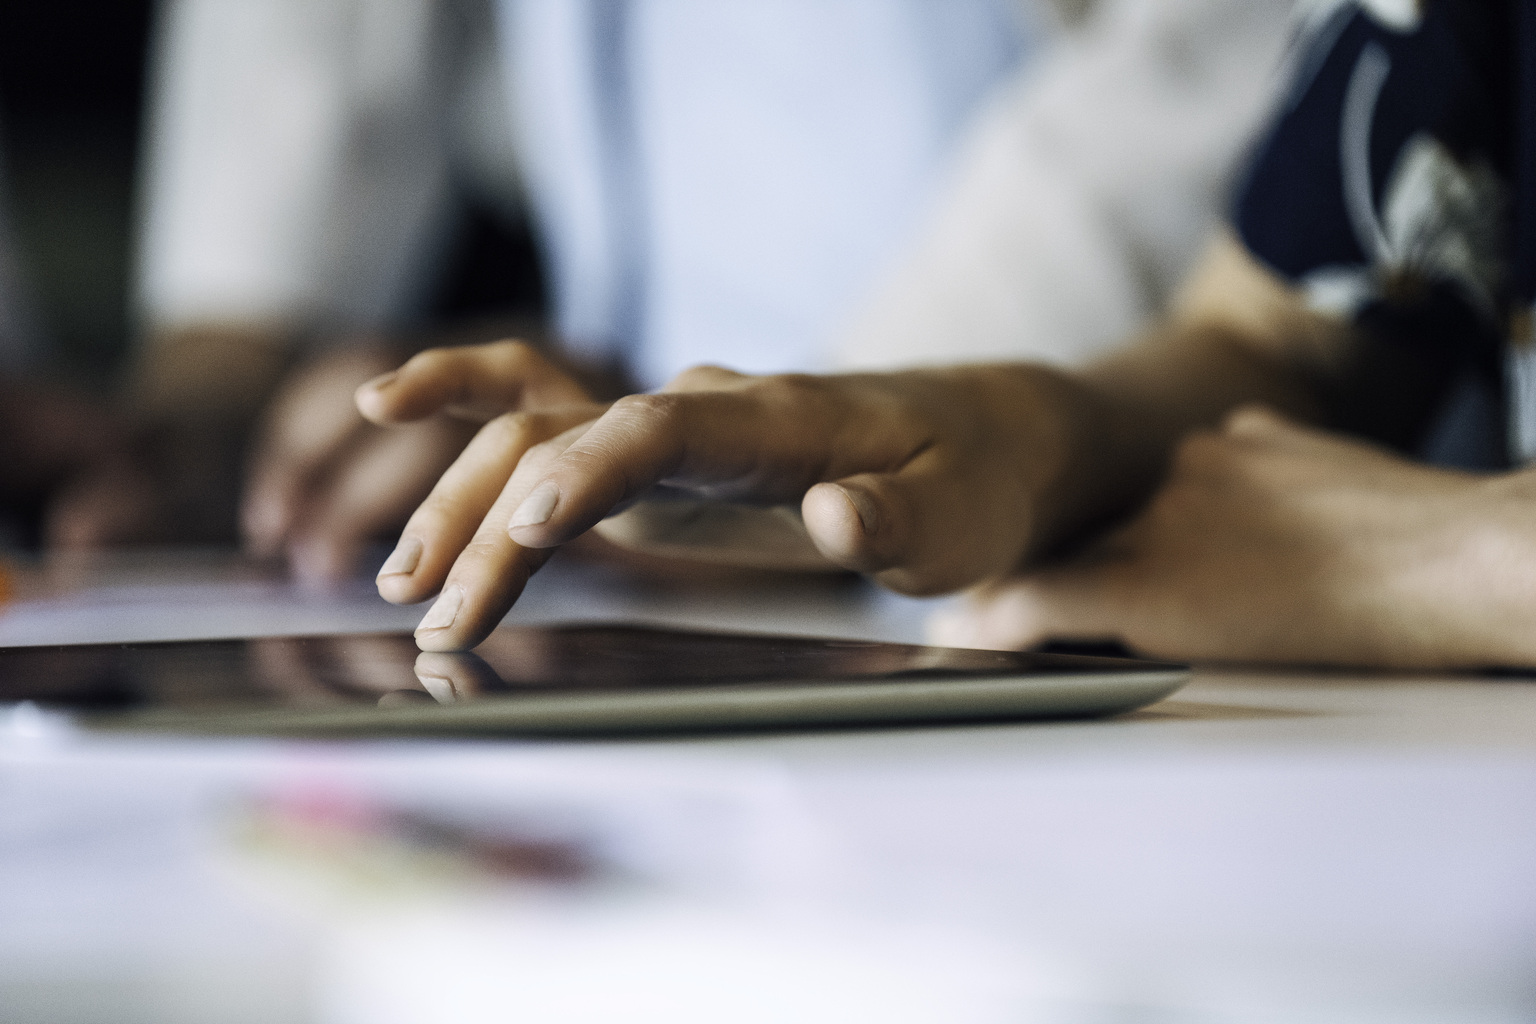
555,678
324,671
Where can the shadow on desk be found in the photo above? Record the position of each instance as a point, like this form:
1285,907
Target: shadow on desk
1198,711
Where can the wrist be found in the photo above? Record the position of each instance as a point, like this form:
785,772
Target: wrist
1074,472
1047,433
1489,582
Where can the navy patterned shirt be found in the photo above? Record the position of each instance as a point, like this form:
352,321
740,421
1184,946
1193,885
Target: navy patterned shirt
1394,190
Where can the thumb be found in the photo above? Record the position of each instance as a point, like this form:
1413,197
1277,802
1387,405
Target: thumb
918,530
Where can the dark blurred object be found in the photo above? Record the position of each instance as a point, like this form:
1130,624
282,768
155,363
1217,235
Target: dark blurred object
47,436
71,91
73,84
72,87
493,270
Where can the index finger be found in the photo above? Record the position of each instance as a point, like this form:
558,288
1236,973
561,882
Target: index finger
476,382
769,442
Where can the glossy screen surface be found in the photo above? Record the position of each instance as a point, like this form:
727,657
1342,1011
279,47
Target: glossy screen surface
372,669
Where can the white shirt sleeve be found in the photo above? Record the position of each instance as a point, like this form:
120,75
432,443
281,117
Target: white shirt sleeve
295,161
1085,190
716,182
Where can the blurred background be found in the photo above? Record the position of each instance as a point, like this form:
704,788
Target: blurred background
73,86
71,105
218,218
826,183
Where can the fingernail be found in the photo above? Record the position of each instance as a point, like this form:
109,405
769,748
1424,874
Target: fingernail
403,560
382,381
440,688
537,507
864,505
442,614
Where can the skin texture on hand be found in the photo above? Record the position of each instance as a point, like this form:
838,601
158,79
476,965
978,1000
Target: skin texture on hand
1271,542
1263,540
322,481
520,398
918,479
928,480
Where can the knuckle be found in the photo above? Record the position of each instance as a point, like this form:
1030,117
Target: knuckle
796,385
485,547
701,378
436,516
659,410
801,396
510,430
511,353
430,365
542,455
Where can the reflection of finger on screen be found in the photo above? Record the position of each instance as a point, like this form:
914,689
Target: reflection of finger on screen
404,698
374,664
452,677
523,656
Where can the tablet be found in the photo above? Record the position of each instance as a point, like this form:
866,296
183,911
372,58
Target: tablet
564,680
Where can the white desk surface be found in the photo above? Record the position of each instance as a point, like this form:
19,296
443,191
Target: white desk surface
1261,846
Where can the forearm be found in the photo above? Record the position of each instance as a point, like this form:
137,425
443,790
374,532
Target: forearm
1455,578
1236,336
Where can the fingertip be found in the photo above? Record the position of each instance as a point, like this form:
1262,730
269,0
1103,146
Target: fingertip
396,579
537,507
473,603
371,401
404,559
398,589
436,643
383,380
842,520
533,524
439,643
436,631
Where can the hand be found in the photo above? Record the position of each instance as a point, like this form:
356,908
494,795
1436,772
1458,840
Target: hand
324,481
1273,543
929,481
521,399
